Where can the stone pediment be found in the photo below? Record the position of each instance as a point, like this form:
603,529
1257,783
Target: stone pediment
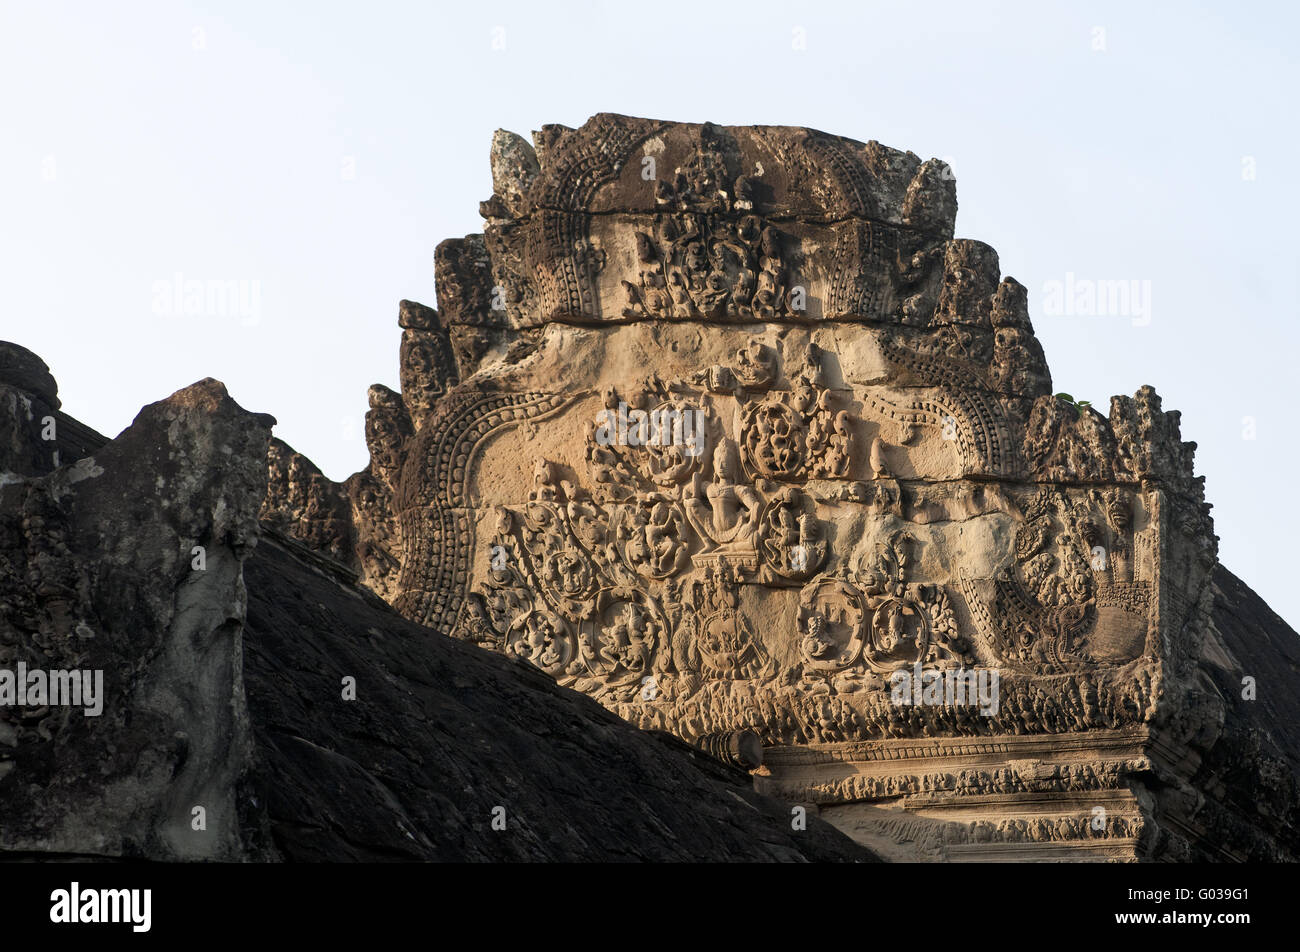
722,427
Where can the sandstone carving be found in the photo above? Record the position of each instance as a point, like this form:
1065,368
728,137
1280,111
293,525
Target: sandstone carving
724,428
738,434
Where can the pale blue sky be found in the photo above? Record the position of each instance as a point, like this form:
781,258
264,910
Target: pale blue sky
322,150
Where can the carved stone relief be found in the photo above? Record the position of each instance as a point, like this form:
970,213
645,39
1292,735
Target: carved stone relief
723,427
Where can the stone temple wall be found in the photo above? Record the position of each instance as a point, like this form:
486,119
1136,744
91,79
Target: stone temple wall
724,428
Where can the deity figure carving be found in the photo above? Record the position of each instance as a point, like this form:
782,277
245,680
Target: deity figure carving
792,540
723,511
